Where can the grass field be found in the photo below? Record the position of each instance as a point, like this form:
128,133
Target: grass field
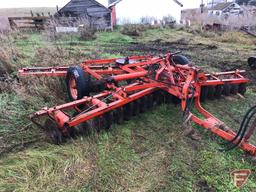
148,153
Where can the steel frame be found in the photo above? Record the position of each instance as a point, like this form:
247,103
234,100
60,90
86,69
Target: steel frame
148,74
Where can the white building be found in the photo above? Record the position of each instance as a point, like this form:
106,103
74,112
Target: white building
225,9
131,11
212,3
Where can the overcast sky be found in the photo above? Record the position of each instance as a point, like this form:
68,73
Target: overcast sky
60,3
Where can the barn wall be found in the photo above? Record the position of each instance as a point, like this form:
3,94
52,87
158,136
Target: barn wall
100,15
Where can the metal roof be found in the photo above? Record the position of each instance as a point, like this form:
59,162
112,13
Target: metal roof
221,6
79,1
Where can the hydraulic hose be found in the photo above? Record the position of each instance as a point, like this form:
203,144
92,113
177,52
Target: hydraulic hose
189,103
242,135
242,130
241,126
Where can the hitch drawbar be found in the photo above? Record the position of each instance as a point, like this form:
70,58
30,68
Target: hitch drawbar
109,91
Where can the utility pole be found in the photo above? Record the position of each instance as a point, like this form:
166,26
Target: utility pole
202,6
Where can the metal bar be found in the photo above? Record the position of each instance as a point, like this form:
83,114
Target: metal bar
93,73
226,73
107,61
72,105
140,87
129,76
224,81
223,134
111,106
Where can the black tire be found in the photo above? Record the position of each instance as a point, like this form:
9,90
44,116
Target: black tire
180,59
82,80
252,62
204,93
242,88
226,89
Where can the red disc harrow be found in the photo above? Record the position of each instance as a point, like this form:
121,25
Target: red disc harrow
109,91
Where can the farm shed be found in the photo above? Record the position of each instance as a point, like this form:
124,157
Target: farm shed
98,15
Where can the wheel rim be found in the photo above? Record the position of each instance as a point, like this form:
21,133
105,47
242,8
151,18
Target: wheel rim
73,87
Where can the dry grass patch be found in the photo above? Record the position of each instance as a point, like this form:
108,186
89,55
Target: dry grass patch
235,37
7,58
133,29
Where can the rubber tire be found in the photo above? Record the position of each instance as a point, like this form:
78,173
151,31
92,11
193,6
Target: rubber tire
83,82
252,62
180,59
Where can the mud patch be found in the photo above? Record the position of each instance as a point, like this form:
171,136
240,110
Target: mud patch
199,53
158,47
